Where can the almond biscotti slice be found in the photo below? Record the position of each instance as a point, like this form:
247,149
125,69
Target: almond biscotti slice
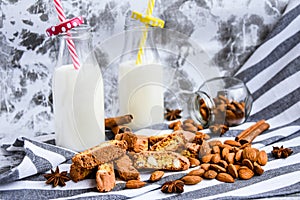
78,173
105,177
141,144
164,160
173,142
102,153
125,169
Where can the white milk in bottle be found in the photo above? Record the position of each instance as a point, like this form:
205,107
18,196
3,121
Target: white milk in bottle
141,93
77,126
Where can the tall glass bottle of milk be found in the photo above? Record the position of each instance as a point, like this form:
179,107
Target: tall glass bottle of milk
140,88
78,94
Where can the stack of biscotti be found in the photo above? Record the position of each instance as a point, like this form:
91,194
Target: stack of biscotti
128,153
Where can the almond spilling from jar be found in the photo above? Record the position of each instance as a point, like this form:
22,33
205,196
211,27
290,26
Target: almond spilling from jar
157,175
191,180
224,177
245,173
134,184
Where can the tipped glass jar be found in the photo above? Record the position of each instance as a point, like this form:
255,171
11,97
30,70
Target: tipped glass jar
222,100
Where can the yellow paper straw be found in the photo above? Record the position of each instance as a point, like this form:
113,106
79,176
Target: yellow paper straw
140,54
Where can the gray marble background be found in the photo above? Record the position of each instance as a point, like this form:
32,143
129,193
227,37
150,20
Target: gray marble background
228,30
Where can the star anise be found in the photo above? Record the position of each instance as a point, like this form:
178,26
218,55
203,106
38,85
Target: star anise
173,187
281,152
172,114
56,178
219,129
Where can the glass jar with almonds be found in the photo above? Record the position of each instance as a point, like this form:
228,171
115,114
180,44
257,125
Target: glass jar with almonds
222,100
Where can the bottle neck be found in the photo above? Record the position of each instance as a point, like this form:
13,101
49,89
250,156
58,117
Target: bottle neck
139,38
82,39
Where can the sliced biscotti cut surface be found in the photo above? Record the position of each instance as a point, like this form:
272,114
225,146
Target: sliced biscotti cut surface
102,153
173,142
78,173
105,177
164,160
125,170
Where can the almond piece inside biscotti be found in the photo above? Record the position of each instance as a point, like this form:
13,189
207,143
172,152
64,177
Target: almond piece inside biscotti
160,160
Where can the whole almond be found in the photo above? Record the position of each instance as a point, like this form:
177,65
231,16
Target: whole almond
232,143
245,145
262,158
207,158
191,180
230,158
216,149
194,162
205,166
245,173
248,163
157,175
134,184
225,152
214,143
232,171
258,169
224,177
250,153
190,121
223,163
210,174
237,167
238,155
204,149
217,168
215,158
222,146
196,172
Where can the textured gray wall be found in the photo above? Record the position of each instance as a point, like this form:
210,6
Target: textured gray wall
229,31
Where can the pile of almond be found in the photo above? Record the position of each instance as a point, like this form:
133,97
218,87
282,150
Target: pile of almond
228,161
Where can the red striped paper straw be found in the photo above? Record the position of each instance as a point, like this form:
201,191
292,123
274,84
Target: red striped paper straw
70,43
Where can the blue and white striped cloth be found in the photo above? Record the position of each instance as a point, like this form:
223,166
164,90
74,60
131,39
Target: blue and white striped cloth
272,74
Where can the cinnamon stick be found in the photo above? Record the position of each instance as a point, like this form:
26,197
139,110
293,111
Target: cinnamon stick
246,132
120,129
120,120
253,134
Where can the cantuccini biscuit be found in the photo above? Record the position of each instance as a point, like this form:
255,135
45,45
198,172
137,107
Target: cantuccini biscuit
102,153
78,173
164,160
105,177
125,169
173,142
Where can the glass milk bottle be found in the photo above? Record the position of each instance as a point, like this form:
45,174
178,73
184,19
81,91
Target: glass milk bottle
78,94
140,84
